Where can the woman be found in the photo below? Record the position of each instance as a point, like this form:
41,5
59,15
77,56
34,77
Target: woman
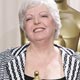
40,21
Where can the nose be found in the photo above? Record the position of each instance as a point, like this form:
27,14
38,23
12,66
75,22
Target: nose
36,20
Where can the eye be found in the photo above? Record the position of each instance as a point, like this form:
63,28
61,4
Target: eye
45,16
28,19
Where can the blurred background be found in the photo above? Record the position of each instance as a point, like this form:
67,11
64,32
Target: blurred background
10,35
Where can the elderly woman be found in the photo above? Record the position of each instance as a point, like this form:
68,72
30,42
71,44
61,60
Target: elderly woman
40,21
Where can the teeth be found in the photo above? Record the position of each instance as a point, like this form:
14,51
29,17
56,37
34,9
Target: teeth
38,29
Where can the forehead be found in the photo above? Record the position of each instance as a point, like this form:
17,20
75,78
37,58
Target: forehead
36,9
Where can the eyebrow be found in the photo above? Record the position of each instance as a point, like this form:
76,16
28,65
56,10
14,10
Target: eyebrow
44,11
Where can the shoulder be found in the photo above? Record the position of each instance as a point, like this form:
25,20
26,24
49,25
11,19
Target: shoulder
9,54
70,52
5,56
66,50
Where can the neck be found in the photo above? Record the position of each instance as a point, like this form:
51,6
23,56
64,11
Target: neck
62,4
41,47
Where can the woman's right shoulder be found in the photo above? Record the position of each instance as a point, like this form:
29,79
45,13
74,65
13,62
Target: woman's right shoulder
7,51
5,55
11,53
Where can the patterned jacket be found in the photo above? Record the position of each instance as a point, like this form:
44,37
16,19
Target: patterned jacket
12,63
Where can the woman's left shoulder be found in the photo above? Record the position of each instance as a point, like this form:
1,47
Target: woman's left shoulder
66,50
72,53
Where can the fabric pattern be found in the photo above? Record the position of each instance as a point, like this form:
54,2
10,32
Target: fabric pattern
12,63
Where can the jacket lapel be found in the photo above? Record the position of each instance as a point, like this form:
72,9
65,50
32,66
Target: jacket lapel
71,64
15,67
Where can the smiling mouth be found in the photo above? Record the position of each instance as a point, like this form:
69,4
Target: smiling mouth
40,29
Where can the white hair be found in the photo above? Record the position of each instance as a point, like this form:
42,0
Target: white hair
50,4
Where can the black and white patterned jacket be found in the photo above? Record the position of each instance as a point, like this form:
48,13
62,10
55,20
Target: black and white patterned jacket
12,63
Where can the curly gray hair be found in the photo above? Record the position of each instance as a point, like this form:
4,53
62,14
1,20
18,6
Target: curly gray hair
50,4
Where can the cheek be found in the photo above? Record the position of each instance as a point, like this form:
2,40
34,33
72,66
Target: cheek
27,27
26,30
52,25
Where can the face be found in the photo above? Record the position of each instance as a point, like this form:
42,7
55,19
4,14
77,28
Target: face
39,24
